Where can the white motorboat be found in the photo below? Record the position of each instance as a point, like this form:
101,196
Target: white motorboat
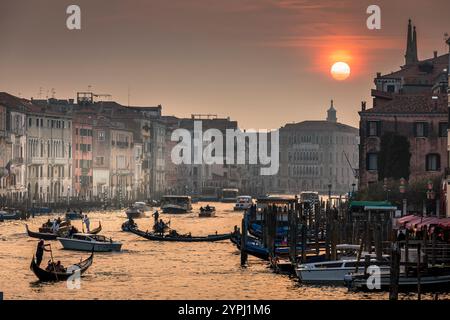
134,213
142,206
90,242
335,271
243,203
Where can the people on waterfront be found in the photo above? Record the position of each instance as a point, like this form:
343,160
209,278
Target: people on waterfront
41,247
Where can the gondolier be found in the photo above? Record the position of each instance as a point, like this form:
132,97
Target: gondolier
40,251
156,215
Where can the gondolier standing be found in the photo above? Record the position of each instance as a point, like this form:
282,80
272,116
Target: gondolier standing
156,215
40,251
87,223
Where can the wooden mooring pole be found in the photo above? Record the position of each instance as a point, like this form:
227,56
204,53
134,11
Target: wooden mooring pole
395,271
244,255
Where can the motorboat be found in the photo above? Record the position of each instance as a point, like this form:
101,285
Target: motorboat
176,204
207,212
334,272
243,203
90,242
135,213
142,206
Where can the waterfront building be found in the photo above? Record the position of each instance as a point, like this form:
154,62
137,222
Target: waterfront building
318,156
49,152
410,103
82,133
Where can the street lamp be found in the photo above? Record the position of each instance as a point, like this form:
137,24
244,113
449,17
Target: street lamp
402,189
68,196
329,195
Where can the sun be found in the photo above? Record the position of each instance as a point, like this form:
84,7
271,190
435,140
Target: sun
340,71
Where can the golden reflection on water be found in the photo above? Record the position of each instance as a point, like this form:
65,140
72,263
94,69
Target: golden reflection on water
152,270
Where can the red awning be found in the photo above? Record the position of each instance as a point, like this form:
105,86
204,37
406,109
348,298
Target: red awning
428,221
444,223
405,219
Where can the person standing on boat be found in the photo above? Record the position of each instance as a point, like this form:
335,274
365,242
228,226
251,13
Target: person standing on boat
156,216
87,223
40,251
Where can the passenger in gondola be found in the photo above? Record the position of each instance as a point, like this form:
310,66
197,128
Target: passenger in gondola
50,266
41,247
59,267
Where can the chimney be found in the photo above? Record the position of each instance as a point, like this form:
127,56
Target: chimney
435,54
363,105
378,74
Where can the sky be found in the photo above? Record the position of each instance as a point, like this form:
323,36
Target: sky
263,63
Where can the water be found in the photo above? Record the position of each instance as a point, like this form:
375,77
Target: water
153,270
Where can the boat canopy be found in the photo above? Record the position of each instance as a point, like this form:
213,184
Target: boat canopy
364,204
380,208
177,197
278,199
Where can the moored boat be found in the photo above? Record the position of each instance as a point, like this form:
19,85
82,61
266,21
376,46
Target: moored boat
434,279
89,242
45,275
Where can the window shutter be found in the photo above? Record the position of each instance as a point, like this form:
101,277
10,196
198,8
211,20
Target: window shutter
379,129
415,129
438,162
368,128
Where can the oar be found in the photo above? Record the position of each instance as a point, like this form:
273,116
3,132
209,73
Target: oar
53,262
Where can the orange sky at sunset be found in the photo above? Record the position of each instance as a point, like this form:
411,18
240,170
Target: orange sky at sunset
261,62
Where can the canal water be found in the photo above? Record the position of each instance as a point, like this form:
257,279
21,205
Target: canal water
152,270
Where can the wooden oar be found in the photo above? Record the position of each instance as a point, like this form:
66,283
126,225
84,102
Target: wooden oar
53,262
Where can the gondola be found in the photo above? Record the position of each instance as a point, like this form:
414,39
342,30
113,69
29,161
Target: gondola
41,235
180,238
44,275
96,230
52,236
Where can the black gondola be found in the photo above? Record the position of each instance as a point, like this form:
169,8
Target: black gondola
44,275
52,236
180,238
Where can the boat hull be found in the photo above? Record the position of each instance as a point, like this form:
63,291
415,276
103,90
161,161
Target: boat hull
174,210
47,276
155,237
427,282
81,245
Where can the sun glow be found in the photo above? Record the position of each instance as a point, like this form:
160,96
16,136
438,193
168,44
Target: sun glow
340,71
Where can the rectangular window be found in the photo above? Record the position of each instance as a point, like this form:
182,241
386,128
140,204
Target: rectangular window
372,161
101,136
99,161
433,162
443,129
420,129
374,129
